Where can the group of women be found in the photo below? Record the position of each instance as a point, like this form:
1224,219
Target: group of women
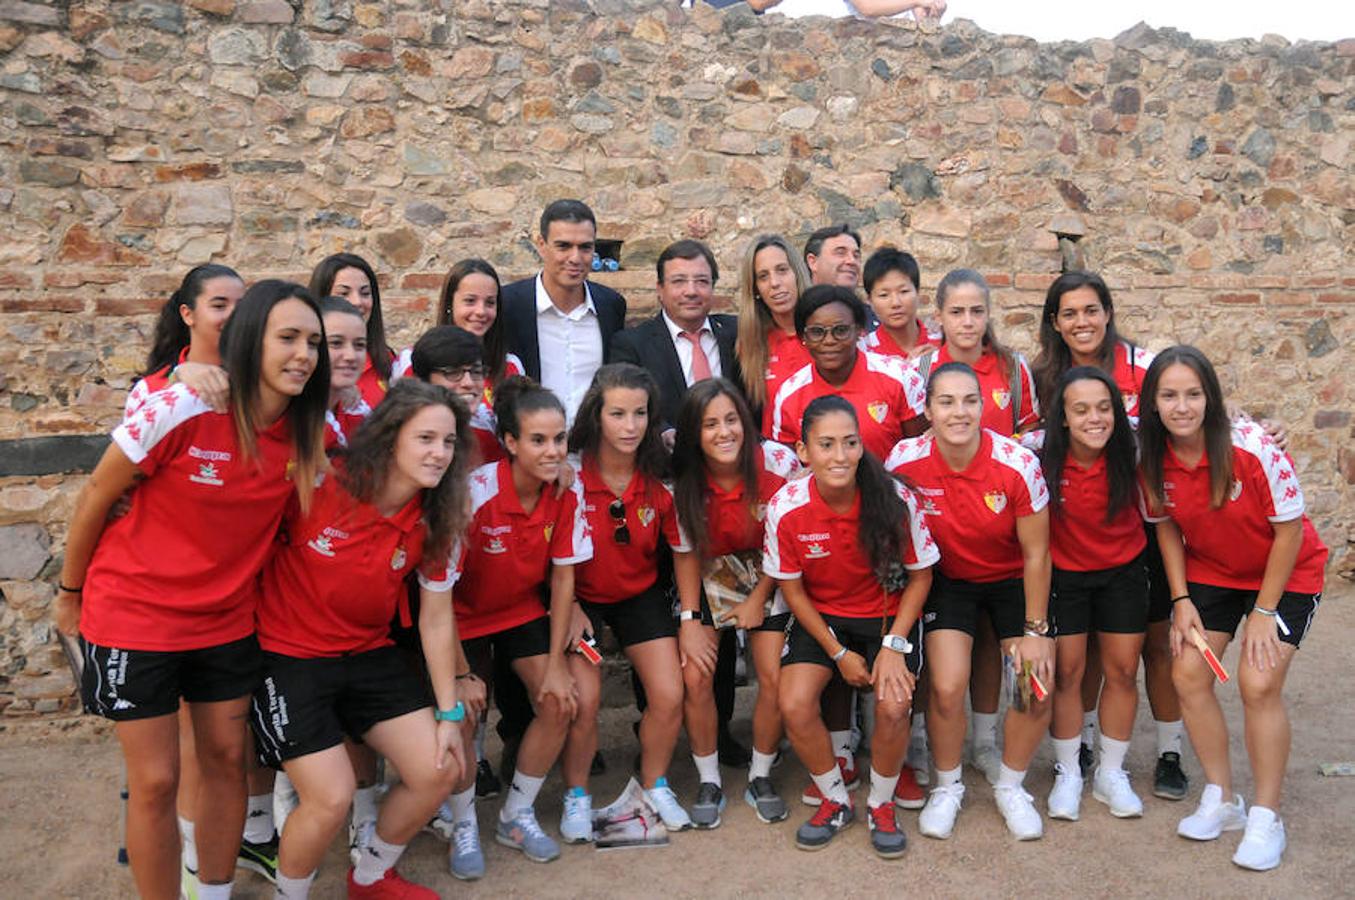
286,492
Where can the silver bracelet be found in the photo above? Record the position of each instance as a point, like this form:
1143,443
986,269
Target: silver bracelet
1266,612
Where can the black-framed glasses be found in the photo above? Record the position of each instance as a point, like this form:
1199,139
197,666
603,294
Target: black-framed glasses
817,334
617,510
456,373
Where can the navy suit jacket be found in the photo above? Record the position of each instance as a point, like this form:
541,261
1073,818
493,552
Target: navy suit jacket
518,308
649,345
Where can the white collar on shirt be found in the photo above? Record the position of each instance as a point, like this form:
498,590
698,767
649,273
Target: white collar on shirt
674,330
543,302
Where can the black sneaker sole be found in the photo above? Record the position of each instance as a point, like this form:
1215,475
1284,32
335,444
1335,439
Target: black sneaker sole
1169,793
259,868
889,854
812,847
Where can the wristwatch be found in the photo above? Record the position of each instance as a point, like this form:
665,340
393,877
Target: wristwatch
1037,627
455,714
896,642
689,615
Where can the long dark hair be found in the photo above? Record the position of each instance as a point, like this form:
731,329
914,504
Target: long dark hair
1119,452
883,527
519,395
495,340
171,333
690,485
242,355
1153,435
1055,358
955,278
755,318
367,460
651,457
322,284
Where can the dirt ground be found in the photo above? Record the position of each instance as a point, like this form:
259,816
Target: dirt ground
59,780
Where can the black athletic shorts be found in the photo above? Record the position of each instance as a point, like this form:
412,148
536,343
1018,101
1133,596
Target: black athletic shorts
1111,600
857,635
1159,593
644,617
1221,609
528,639
308,705
957,605
123,685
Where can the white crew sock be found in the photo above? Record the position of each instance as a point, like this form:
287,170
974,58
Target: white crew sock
189,854
1011,778
1089,721
1169,736
376,858
1112,752
832,787
521,795
985,729
215,891
293,888
461,807
881,788
364,804
761,766
842,744
1065,751
708,769
947,777
259,819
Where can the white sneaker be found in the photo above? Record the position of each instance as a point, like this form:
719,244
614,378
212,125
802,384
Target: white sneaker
1065,800
937,818
1263,843
666,804
443,823
988,760
576,820
1111,787
918,760
1213,817
359,836
1018,809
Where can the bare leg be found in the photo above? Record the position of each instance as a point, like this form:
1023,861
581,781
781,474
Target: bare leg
656,663
801,687
1203,716
151,751
948,658
767,710
1267,726
1120,696
220,731
324,785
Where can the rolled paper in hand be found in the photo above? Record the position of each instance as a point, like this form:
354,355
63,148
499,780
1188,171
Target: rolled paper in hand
1037,687
1200,644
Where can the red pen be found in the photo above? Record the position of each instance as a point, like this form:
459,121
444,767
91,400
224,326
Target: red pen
1219,671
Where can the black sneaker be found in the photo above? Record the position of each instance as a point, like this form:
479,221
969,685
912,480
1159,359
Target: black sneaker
260,858
885,837
762,796
1169,782
830,818
599,765
487,784
710,803
1085,759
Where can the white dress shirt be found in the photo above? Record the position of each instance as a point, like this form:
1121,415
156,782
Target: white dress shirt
570,345
684,348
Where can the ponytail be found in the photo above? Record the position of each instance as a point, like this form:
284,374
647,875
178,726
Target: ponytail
518,395
171,332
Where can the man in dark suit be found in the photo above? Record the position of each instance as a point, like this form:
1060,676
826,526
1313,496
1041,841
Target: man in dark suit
684,343
558,323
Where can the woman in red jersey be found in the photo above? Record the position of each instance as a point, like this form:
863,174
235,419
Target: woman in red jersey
771,279
169,589
522,546
853,557
984,498
351,277
1100,582
1236,545
346,338
892,281
724,476
453,358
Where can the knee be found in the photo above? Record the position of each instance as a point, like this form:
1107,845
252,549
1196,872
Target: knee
697,685
1190,680
328,802
1120,674
947,699
221,759
553,714
153,785
892,716
430,781
797,709
1257,690
665,702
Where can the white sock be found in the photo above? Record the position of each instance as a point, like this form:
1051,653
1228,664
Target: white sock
1089,721
284,800
708,769
215,891
985,729
761,766
881,788
1065,751
1011,778
461,807
364,804
293,888
259,819
831,785
1169,736
842,744
189,853
947,777
521,795
375,860
1263,815
480,742
917,736
1112,752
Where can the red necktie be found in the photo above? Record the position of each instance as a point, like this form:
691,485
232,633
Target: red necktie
700,362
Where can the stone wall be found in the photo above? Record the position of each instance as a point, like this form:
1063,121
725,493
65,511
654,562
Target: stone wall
1211,184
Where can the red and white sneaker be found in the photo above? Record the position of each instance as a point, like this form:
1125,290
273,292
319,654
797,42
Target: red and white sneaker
908,793
850,777
390,887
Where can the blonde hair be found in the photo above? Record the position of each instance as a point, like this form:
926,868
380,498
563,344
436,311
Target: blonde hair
755,318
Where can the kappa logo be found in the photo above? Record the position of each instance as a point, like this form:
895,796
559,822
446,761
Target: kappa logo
1002,398
1235,491
398,559
495,546
878,411
207,474
322,545
995,501
816,551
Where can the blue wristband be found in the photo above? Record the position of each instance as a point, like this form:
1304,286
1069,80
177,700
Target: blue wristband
455,714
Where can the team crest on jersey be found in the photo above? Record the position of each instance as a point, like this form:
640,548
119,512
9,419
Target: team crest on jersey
548,530
495,546
1236,490
207,474
816,551
322,545
646,515
398,559
995,500
878,410
1131,401
1002,398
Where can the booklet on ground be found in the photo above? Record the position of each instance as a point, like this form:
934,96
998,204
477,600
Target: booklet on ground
629,821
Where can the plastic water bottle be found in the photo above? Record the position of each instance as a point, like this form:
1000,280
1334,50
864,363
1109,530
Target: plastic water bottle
610,264
597,263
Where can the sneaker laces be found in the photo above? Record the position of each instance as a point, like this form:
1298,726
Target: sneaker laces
825,813
951,793
466,836
882,818
577,805
1012,792
1118,779
526,820
663,799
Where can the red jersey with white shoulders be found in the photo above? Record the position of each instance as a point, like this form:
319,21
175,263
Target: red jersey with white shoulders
370,383
1228,547
1131,367
1080,538
342,421
972,513
885,392
882,342
149,384
806,539
621,571
338,575
507,553
484,426
996,390
180,570
786,355
734,522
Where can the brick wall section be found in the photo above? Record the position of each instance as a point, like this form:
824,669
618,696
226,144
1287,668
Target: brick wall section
1212,182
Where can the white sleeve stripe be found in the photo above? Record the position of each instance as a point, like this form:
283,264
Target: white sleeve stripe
444,584
787,390
1285,494
162,412
781,504
129,447
1026,465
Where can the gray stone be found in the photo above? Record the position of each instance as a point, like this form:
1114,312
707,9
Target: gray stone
236,47
427,214
331,15
255,166
23,551
335,218
1319,340
32,13
669,106
1198,147
915,180
608,54
1124,67
202,204
1225,100
663,135
418,161
1260,147
48,455
593,102
799,117
28,82
881,69
591,124
699,193
292,49
161,16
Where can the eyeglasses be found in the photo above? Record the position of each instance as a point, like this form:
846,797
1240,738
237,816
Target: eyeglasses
817,334
617,510
456,373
